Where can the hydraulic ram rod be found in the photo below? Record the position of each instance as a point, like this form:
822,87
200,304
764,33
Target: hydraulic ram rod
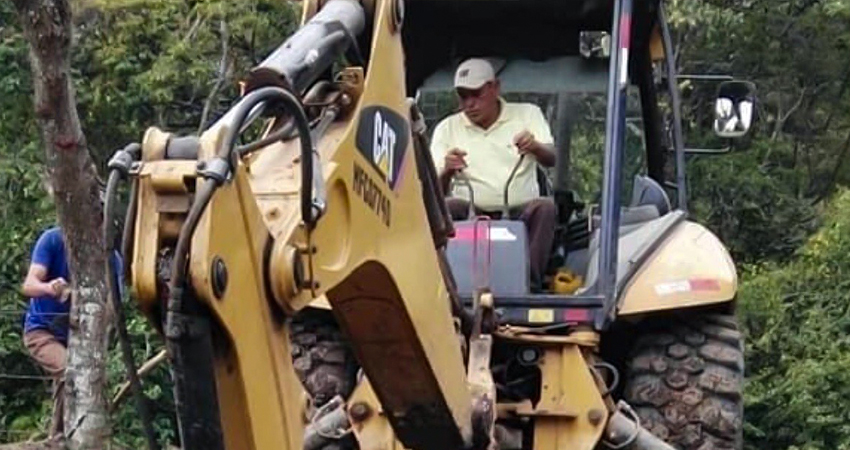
312,49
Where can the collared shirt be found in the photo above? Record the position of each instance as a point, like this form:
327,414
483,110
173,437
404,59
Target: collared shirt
491,154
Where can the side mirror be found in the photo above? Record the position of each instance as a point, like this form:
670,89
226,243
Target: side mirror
734,108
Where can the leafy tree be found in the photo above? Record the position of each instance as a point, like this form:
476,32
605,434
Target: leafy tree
797,322
135,64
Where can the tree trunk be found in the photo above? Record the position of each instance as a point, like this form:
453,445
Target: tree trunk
47,27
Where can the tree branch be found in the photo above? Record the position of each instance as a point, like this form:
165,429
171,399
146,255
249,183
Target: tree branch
146,368
194,29
781,119
222,76
835,170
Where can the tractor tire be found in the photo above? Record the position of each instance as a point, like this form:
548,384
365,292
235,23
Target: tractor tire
684,380
323,360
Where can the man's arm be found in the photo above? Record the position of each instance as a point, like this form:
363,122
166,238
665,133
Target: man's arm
545,143
35,284
542,145
439,150
545,153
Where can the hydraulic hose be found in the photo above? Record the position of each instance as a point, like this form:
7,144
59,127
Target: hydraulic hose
119,168
311,208
129,233
217,171
189,332
286,131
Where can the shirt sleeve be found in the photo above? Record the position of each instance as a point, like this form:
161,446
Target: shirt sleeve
43,251
440,145
539,126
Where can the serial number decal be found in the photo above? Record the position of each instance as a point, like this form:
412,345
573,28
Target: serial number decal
371,194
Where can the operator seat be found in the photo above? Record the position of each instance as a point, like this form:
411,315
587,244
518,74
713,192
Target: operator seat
648,206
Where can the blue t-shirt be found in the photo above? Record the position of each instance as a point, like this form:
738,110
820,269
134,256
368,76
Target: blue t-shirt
47,312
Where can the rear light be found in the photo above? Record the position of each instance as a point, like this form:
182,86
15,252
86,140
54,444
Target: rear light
577,315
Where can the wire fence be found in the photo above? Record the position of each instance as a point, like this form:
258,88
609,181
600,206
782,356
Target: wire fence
24,376
21,312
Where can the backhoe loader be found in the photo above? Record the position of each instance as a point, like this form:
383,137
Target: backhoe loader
300,262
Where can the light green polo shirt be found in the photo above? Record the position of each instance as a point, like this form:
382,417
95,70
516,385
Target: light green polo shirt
491,154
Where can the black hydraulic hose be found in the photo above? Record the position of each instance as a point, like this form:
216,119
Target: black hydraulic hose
189,344
215,177
188,336
288,130
178,267
115,174
129,233
269,94
282,134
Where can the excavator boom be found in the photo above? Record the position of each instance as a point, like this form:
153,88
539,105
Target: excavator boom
333,212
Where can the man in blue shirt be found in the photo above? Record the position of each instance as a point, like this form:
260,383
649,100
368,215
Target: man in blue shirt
46,323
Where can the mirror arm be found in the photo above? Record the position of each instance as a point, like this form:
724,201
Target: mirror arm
709,151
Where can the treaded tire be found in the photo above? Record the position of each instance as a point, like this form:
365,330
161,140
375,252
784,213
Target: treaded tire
323,360
685,379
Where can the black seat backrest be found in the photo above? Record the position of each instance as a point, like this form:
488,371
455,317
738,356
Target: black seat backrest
647,191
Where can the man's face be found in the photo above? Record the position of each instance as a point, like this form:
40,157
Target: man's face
480,105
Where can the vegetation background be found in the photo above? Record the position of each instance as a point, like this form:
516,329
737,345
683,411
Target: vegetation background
782,205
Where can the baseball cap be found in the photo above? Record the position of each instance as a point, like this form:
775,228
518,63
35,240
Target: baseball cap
474,73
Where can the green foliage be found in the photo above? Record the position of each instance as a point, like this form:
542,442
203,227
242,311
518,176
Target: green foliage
798,353
761,201
24,211
757,210
136,63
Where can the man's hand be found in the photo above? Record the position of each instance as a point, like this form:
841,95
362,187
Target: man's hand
525,142
56,287
455,161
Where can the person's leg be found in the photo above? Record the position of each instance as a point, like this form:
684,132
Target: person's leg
539,217
50,354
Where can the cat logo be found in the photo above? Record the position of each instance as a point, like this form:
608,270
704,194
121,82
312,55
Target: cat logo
382,138
383,146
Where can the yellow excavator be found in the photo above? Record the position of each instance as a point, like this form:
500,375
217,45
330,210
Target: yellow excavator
299,260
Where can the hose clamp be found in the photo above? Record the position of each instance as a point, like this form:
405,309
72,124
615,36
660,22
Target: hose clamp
216,169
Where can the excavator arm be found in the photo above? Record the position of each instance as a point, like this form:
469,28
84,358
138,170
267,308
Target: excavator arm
332,211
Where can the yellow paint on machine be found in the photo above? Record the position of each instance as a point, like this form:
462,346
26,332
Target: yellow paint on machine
691,268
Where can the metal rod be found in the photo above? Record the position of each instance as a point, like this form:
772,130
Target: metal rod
614,133
705,77
678,140
11,376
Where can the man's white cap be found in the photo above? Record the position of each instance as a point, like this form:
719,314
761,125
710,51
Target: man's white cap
473,73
